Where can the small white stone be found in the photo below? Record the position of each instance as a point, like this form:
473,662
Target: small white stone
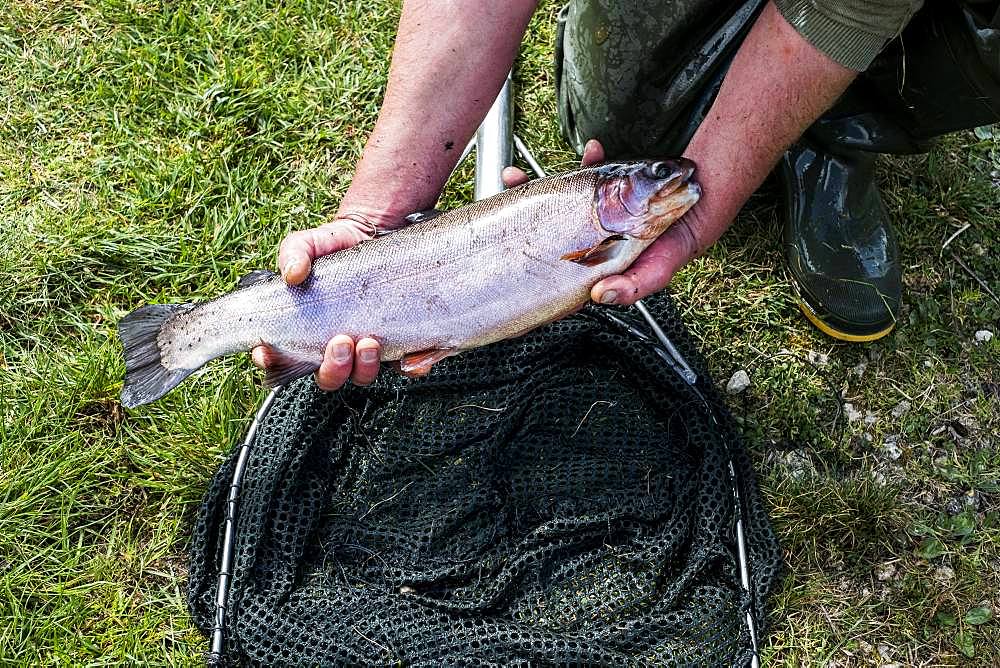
739,382
983,336
797,464
819,359
892,451
901,409
852,413
944,573
885,572
859,369
928,364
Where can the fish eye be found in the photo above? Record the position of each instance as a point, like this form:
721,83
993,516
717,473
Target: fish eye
659,170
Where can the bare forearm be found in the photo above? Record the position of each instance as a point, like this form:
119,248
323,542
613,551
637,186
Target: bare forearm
777,86
448,64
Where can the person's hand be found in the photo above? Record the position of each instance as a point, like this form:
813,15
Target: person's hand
654,268
344,358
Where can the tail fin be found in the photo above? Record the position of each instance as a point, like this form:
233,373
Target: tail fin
146,378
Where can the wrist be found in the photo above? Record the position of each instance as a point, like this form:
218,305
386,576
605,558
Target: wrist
386,194
368,218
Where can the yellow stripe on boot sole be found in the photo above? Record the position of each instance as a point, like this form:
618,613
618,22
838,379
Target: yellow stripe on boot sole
836,333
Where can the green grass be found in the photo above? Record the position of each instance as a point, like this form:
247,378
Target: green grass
157,151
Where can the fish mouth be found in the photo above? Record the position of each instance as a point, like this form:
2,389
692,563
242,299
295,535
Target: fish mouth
673,198
675,201
673,174
678,194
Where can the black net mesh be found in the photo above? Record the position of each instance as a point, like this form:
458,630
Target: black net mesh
560,498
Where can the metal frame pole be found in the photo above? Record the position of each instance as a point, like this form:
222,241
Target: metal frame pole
495,144
216,654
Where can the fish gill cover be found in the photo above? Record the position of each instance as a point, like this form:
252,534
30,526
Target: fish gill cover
562,498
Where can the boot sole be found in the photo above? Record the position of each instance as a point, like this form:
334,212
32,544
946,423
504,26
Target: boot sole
839,334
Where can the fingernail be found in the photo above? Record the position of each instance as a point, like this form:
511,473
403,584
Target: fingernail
369,355
292,264
342,352
609,296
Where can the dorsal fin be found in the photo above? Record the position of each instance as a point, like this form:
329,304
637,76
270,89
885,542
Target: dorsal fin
423,216
255,277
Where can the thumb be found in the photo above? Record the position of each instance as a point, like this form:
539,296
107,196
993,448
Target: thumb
300,249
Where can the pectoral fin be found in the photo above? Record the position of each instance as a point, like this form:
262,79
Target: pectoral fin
602,252
419,364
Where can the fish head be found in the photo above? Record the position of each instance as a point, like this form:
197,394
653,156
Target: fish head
641,199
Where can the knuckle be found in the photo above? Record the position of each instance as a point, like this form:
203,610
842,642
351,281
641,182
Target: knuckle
329,381
362,380
291,241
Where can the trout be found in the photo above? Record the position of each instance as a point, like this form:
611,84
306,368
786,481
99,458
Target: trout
488,271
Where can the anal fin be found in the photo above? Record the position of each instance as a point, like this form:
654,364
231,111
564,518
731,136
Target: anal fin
600,252
419,363
284,367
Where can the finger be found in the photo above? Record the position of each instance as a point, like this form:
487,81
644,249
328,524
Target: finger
593,153
338,359
366,359
299,249
651,271
513,176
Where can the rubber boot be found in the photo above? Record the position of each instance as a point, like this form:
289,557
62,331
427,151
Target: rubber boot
839,245
942,75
